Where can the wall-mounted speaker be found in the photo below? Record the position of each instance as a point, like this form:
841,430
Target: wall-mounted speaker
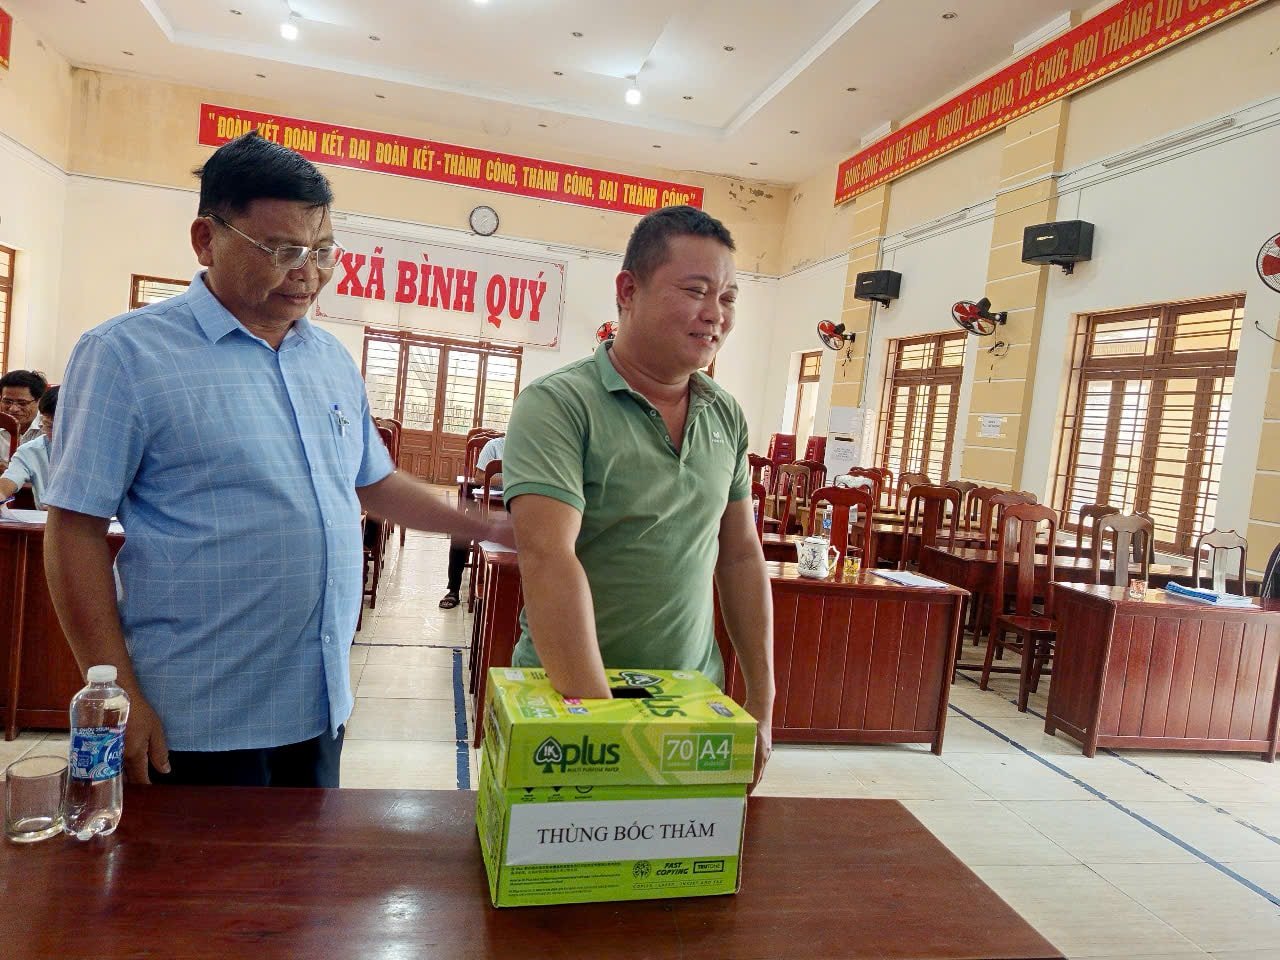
1064,243
880,286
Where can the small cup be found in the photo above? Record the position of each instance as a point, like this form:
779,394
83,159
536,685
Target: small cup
34,790
1137,588
852,562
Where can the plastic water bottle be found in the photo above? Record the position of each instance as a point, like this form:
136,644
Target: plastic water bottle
826,524
95,780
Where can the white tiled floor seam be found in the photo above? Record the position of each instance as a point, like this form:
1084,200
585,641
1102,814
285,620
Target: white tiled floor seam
1168,835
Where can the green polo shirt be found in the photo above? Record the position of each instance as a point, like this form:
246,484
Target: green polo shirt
650,515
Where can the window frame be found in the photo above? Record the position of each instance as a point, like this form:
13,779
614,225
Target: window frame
934,376
6,314
1164,365
138,279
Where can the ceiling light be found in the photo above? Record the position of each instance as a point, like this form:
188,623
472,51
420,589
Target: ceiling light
755,163
543,126
261,76
851,89
633,95
558,73
794,132
374,37
127,53
729,49
577,33
657,146
234,12
381,96
687,97
289,29
950,15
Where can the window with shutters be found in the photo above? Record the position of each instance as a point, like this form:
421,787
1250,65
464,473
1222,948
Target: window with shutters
7,259
919,407
1145,422
145,290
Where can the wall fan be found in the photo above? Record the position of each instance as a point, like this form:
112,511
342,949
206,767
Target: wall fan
606,331
977,318
833,335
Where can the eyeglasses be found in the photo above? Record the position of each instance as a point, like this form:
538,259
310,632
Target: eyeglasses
13,402
290,257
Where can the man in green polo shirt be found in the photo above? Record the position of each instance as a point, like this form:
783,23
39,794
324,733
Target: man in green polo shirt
626,477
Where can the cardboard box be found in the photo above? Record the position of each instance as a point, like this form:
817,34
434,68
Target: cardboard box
639,797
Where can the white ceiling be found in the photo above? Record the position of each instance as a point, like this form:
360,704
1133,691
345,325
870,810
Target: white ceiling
488,69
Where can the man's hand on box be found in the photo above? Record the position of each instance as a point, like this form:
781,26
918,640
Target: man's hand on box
764,743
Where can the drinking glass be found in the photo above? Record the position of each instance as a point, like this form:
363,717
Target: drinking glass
34,789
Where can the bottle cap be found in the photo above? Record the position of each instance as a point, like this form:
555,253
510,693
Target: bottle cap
103,673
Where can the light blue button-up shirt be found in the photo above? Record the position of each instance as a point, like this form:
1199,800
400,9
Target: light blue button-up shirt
233,468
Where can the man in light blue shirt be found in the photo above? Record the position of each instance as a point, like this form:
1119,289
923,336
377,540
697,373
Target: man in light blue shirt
233,439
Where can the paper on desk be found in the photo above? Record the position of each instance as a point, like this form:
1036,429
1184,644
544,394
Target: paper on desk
908,579
42,516
1208,596
24,516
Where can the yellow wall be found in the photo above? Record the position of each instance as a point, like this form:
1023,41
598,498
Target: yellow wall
36,97
143,130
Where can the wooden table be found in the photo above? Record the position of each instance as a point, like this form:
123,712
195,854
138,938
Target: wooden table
38,672
1164,672
274,873
495,628
861,660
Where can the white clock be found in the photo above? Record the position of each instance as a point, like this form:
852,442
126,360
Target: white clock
484,221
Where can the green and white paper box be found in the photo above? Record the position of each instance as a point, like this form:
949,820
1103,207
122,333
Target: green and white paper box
637,797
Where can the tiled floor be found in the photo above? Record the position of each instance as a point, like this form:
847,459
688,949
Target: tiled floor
1135,854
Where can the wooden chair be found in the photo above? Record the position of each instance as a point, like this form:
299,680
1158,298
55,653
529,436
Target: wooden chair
1020,524
842,499
817,478
759,499
763,471
782,448
1125,531
1088,521
886,481
926,507
875,475
816,449
993,506
1219,543
10,424
791,476
965,487
905,483
492,469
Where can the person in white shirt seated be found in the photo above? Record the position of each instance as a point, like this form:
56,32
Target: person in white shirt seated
458,550
20,392
30,463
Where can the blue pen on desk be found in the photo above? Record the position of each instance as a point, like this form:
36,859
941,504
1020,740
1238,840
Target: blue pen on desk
340,420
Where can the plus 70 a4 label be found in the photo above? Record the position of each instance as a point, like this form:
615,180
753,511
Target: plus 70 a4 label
697,752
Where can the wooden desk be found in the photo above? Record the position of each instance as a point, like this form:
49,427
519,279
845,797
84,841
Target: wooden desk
857,661
273,873
1163,672
496,626
38,673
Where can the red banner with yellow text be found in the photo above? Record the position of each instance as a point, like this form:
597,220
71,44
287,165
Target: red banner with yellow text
1120,36
6,37
419,159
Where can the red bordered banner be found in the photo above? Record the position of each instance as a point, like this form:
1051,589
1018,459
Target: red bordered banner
6,37
1120,36
419,159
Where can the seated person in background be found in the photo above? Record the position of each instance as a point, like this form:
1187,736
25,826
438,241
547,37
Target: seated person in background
30,463
20,391
458,549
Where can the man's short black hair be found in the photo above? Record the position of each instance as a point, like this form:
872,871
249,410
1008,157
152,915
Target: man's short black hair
251,167
31,379
48,404
647,248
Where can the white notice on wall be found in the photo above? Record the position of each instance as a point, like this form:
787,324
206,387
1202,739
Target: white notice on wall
990,426
842,454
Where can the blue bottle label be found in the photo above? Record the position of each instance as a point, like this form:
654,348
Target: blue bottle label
97,753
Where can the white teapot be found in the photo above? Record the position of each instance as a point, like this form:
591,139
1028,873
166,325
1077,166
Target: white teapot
816,558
